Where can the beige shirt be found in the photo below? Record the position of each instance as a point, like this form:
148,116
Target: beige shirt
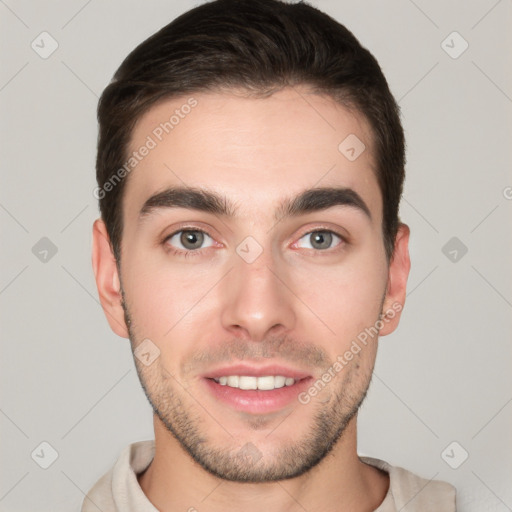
119,491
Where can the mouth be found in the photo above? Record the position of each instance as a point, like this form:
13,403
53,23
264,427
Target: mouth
256,390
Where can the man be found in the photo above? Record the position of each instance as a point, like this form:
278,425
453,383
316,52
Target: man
250,167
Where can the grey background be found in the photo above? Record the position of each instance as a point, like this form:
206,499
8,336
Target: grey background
443,377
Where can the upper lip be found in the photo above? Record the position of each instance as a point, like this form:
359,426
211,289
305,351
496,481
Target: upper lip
254,371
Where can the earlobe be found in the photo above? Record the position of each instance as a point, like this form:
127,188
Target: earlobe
398,273
107,279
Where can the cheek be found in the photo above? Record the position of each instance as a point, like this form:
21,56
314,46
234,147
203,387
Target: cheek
170,301
346,297
159,296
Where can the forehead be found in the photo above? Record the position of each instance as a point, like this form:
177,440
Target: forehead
255,150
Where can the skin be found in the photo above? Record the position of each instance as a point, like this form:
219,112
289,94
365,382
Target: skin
292,303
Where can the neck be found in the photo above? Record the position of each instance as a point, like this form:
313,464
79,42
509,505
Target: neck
175,482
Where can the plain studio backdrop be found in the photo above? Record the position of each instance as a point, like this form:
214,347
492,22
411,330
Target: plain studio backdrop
440,400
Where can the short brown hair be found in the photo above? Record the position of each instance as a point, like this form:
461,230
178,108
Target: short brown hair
261,46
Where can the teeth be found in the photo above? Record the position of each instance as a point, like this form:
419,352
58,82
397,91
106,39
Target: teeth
266,383
279,381
233,381
248,382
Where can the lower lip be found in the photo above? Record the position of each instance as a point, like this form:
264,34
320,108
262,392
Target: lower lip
257,401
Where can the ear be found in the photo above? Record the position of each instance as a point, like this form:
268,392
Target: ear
107,279
397,281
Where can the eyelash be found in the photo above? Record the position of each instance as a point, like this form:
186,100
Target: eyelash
197,252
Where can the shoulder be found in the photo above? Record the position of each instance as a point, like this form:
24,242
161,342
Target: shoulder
100,495
120,482
417,493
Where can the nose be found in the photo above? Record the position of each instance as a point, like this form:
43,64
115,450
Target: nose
257,299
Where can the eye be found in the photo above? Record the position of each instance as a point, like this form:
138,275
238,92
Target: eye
188,239
320,239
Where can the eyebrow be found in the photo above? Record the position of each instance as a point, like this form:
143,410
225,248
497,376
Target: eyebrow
309,200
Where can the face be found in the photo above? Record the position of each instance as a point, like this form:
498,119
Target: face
240,303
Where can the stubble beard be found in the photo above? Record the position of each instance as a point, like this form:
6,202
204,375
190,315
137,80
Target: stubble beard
186,421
